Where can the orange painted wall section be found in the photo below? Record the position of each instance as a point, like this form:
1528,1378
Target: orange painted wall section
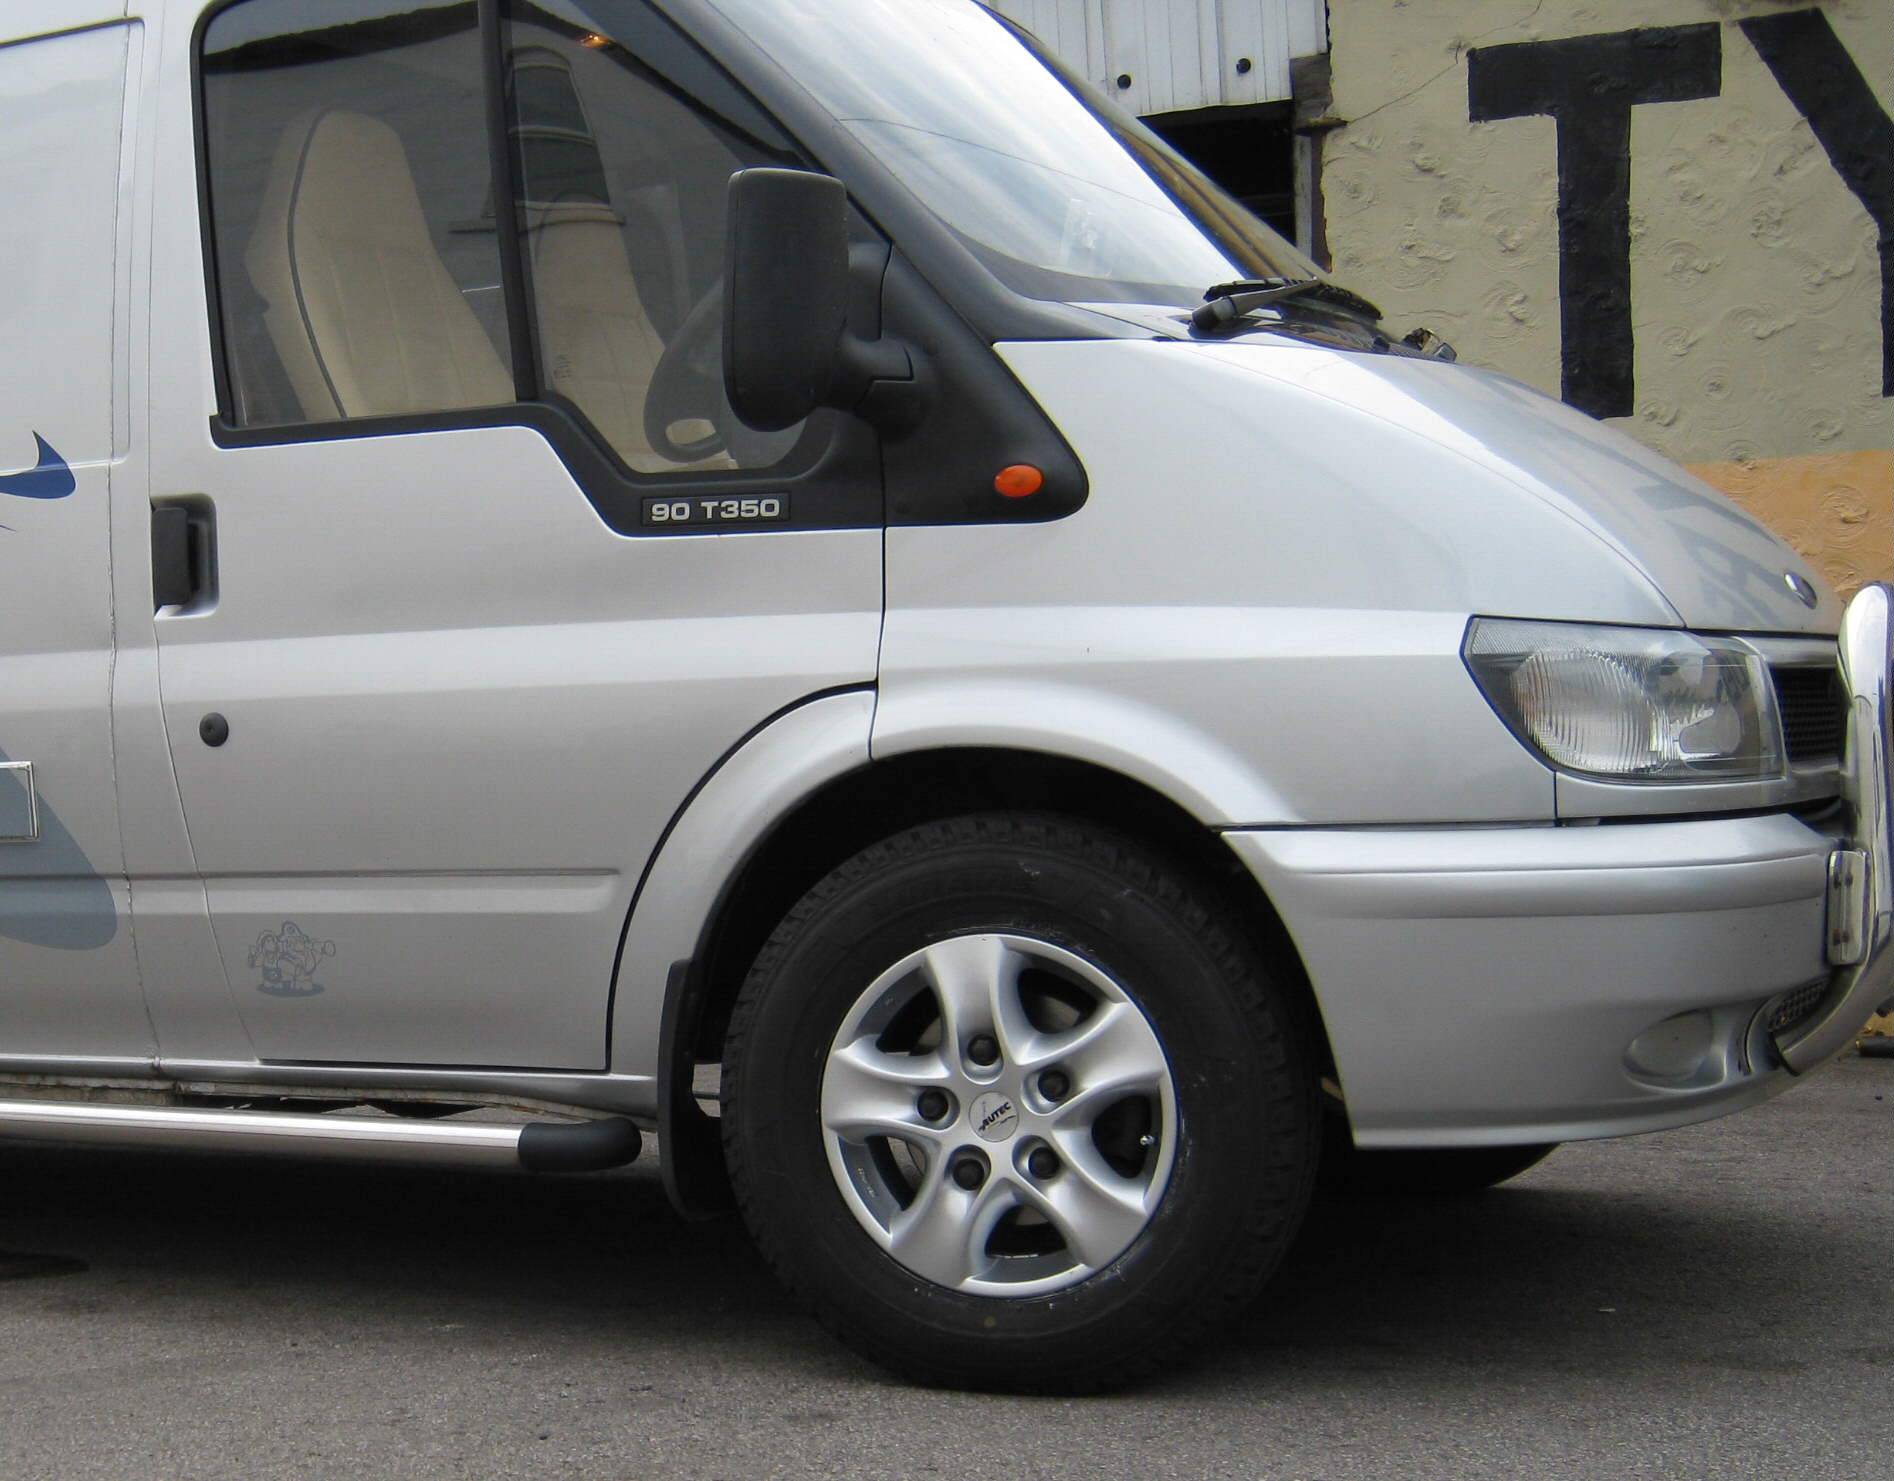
1835,509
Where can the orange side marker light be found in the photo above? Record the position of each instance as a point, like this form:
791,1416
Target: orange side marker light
1019,481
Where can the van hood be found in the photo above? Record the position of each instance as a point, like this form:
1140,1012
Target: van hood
1718,568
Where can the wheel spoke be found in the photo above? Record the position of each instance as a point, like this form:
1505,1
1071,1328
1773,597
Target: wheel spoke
868,1093
1097,1212
1115,1046
976,981
1076,1115
942,1235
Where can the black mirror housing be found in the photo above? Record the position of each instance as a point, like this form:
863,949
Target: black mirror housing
785,293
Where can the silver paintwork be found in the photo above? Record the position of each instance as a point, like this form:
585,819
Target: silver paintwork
69,977
25,828
716,829
1867,655
869,1097
1482,986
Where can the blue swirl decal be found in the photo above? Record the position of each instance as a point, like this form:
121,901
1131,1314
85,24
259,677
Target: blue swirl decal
49,479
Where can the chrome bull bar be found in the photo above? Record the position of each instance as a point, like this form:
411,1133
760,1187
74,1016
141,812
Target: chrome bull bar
1860,930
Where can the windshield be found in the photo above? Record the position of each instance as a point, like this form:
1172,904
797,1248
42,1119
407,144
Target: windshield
1060,195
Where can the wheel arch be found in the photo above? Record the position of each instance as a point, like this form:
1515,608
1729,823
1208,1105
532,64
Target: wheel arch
854,806
861,807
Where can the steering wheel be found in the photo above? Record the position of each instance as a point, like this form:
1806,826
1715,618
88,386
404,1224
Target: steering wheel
687,383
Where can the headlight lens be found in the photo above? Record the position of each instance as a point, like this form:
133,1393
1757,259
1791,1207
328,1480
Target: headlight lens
1629,703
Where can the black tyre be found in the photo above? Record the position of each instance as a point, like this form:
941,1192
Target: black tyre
1008,1107
1349,1172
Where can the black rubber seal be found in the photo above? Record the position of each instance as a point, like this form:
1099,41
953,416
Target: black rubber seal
588,1146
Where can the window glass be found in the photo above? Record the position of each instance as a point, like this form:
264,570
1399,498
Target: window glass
1060,195
623,171
357,255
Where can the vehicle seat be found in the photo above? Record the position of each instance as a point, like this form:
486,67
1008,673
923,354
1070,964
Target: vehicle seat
366,319
598,343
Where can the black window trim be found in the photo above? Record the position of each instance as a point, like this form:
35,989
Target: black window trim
845,446
507,183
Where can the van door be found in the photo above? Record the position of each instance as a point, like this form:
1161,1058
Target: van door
471,578
68,979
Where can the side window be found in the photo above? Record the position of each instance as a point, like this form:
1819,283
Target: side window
361,267
622,173
358,266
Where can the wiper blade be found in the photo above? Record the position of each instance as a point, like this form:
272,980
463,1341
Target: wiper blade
1230,301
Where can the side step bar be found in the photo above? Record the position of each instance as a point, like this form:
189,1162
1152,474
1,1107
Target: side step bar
580,1146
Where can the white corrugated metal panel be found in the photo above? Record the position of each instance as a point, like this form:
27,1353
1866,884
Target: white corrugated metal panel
1163,56
1069,27
1308,27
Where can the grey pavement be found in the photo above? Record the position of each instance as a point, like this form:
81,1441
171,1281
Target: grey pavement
1713,1302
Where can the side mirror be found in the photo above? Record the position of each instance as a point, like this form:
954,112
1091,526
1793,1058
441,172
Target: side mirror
785,293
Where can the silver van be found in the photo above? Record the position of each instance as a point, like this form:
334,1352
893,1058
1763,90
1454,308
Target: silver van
775,573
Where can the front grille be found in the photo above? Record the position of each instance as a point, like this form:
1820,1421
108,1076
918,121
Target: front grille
1793,1007
1814,714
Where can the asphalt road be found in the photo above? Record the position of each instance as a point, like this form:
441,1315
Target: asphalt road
1715,1302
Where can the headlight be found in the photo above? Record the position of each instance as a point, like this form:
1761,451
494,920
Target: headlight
1628,703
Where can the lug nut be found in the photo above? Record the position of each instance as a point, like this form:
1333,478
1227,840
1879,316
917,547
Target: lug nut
969,1173
1055,1085
983,1049
932,1104
1043,1162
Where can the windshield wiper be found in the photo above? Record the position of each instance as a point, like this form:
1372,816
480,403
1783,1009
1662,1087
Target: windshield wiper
1230,301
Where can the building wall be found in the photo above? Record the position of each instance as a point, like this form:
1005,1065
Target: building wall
1654,207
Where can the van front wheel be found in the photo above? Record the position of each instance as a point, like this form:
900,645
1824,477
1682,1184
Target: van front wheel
1009,1107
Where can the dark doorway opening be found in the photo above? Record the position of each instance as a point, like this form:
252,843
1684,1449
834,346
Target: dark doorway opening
1249,151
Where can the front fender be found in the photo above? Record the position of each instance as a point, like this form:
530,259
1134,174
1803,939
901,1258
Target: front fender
1244,716
1117,732
732,811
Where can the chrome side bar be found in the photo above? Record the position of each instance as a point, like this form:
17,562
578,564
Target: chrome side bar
1862,889
575,1146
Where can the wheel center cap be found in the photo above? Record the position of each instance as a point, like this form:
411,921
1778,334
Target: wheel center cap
994,1116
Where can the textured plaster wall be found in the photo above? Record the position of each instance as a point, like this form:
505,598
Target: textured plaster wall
1755,276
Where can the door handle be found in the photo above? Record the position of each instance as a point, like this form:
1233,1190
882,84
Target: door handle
184,555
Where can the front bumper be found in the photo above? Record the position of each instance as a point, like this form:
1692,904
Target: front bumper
1498,986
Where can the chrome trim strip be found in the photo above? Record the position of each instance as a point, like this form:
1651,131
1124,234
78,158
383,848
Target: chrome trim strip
1867,662
555,1092
1848,875
624,1095
389,1140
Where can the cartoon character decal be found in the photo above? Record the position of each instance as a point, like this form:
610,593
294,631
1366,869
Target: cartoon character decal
287,960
